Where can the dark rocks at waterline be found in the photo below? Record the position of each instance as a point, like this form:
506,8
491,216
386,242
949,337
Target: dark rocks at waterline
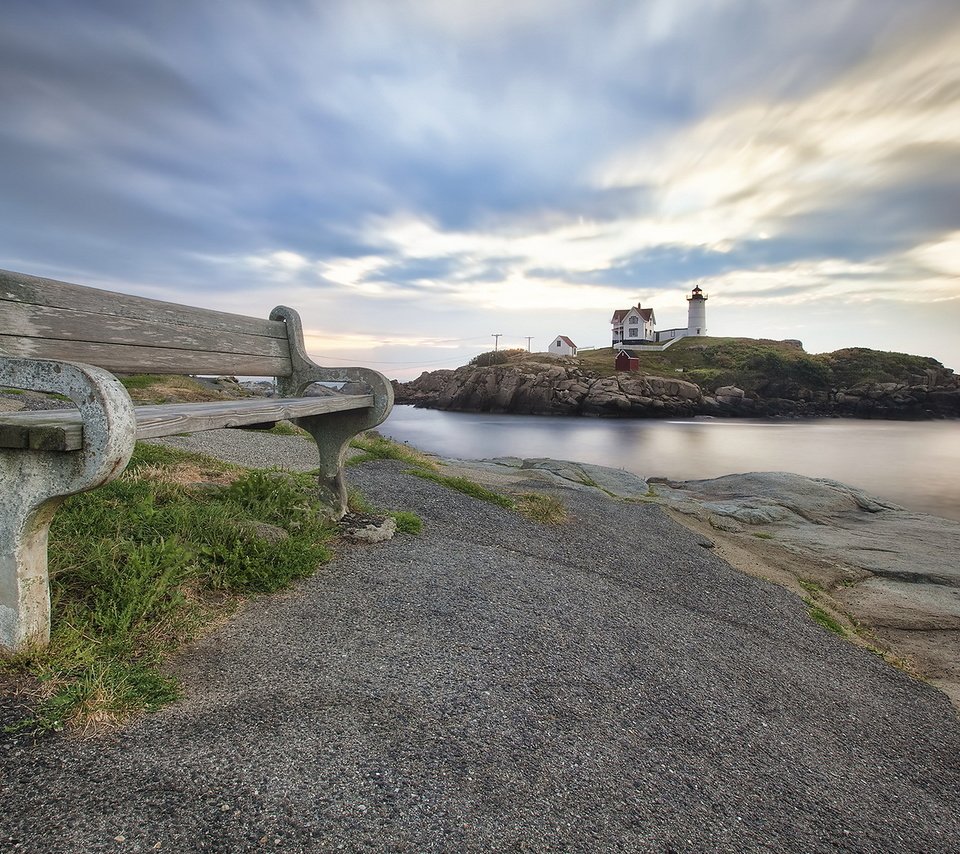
551,389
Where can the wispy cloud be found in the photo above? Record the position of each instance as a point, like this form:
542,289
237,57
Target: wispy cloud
456,168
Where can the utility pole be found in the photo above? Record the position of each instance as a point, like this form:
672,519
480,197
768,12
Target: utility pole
496,340
529,339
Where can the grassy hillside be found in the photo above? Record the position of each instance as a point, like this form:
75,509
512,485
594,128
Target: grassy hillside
762,365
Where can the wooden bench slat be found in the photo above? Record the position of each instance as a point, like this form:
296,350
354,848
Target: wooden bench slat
21,288
47,324
62,429
41,432
122,358
156,421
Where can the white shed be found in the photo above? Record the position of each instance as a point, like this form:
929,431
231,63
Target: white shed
563,346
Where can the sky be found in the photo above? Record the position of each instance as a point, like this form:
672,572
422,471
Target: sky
414,176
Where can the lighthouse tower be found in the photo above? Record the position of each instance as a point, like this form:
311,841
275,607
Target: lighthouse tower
697,312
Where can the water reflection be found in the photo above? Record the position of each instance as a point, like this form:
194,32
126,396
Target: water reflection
916,464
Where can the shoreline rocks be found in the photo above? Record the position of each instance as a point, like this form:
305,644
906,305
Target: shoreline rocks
535,388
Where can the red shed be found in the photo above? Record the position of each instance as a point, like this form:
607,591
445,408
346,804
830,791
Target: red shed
627,360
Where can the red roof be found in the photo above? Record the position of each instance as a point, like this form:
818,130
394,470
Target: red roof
621,313
567,341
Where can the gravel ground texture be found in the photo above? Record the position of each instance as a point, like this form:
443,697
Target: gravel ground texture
495,684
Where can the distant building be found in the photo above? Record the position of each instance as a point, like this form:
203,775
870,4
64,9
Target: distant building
633,325
638,325
627,360
563,346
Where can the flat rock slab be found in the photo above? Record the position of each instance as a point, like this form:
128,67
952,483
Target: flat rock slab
830,520
499,685
574,475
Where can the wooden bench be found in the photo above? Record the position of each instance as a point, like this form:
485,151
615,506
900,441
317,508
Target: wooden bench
70,339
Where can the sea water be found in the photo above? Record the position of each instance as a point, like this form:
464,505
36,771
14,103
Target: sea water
913,463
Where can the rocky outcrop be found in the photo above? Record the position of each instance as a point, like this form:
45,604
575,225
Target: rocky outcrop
549,389
564,389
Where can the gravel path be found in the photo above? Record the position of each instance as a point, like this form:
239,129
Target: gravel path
499,685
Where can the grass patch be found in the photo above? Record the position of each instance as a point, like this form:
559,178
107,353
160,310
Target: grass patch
138,566
165,388
377,447
467,487
357,503
407,522
818,615
285,428
539,508
762,535
810,586
141,381
12,390
545,509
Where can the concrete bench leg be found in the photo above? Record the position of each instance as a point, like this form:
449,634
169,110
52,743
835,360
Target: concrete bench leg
332,433
34,483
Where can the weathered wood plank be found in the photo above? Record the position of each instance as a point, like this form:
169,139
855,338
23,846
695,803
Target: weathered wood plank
21,288
14,436
62,429
41,434
156,421
53,438
49,323
123,358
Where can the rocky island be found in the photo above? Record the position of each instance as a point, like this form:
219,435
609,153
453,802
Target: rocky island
730,377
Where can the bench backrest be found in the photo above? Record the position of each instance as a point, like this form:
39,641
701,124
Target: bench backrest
47,319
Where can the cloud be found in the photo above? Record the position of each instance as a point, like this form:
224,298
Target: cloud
485,164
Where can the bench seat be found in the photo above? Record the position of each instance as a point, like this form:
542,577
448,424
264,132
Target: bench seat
62,429
68,339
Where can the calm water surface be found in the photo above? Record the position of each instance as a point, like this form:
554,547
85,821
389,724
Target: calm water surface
914,463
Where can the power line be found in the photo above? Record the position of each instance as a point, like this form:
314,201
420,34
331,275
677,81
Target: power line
496,340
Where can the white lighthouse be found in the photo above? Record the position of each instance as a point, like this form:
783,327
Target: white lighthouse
697,312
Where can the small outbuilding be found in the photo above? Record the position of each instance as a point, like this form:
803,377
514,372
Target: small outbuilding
627,360
563,346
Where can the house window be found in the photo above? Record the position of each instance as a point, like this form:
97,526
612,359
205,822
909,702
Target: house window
633,333
558,343
631,319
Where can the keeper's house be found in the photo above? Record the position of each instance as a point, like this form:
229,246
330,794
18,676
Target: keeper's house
633,326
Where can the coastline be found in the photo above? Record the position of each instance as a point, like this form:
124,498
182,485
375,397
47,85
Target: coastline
769,383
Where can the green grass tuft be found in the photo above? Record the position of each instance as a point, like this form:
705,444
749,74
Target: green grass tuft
810,586
377,447
762,535
545,509
285,428
357,502
467,487
141,381
818,615
407,522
